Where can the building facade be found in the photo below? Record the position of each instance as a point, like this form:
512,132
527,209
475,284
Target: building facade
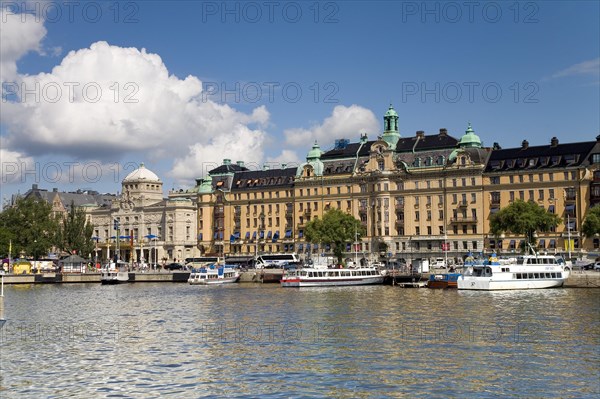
424,196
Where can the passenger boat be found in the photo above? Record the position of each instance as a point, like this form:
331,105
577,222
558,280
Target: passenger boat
327,277
111,274
443,280
214,274
526,272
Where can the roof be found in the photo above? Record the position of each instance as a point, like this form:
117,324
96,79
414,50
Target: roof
539,157
348,152
426,143
250,179
141,173
228,168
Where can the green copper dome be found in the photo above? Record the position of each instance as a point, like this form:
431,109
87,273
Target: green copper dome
391,111
206,186
314,153
470,139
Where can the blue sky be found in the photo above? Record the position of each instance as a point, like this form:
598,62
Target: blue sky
260,81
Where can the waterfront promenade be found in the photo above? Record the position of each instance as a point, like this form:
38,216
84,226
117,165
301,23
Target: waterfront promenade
577,279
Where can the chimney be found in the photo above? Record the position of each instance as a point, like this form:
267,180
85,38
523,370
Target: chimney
553,142
34,186
199,181
240,164
524,145
443,132
421,133
227,162
598,138
496,146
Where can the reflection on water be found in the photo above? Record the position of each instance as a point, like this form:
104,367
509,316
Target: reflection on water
155,340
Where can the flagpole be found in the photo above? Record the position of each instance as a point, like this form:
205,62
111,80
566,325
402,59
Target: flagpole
569,234
9,254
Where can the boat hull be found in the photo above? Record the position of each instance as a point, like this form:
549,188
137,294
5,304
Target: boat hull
229,280
486,284
324,282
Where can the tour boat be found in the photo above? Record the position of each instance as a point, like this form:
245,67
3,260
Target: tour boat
443,280
526,272
214,274
326,277
111,274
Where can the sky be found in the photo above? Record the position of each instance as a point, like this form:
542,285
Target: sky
91,89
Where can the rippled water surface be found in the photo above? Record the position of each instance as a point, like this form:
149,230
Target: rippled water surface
182,341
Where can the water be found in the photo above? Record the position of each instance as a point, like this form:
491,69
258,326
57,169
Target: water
182,341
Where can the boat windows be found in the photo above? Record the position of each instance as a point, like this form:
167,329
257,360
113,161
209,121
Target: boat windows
559,275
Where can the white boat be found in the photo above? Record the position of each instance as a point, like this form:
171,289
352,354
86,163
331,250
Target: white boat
111,273
526,272
329,277
214,274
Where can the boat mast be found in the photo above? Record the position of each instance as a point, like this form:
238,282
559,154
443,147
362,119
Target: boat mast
569,234
355,247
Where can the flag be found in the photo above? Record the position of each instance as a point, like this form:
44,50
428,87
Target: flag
569,245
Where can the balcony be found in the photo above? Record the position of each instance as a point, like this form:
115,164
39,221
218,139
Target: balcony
399,206
463,204
362,210
464,219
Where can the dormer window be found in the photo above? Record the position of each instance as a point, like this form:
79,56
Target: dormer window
417,162
555,160
532,162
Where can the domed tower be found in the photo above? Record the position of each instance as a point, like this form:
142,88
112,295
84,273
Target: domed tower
390,127
142,186
468,140
313,159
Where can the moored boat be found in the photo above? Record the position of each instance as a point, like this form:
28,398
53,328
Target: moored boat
112,274
214,274
328,277
526,272
443,280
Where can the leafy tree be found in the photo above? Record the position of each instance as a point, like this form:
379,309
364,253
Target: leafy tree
523,218
591,224
336,228
74,232
6,236
30,225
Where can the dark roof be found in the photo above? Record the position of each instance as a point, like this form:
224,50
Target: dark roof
426,143
229,168
539,157
348,152
249,179
336,167
78,198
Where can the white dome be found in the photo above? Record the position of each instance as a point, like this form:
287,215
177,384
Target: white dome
141,173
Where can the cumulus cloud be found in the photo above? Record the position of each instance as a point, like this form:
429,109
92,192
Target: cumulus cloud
106,101
19,34
13,166
286,157
344,122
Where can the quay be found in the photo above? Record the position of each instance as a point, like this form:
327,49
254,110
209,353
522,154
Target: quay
577,279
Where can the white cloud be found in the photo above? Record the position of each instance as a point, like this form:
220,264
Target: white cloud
132,105
19,34
344,122
590,67
288,157
13,166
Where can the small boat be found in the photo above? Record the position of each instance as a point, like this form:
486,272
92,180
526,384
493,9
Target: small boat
443,280
328,277
525,272
214,274
111,274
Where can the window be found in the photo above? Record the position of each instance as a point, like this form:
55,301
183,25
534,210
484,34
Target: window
417,216
540,195
474,245
416,200
522,195
495,179
541,177
428,199
428,230
453,182
551,193
511,179
428,215
464,182
454,198
595,159
521,179
473,197
417,232
530,178
441,215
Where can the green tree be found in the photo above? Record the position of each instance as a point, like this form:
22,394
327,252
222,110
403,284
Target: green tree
74,233
524,218
591,224
30,225
336,229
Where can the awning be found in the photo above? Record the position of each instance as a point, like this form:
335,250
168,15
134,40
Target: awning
200,237
247,235
494,210
551,209
269,234
288,233
275,236
254,235
262,234
552,244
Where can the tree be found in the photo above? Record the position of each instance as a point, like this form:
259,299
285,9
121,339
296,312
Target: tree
523,218
591,224
336,228
30,226
74,233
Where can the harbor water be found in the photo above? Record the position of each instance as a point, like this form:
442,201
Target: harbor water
253,340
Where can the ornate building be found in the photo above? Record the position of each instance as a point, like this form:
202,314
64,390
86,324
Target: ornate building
423,196
150,228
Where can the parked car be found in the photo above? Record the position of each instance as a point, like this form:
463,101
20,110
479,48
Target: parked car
174,266
597,266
